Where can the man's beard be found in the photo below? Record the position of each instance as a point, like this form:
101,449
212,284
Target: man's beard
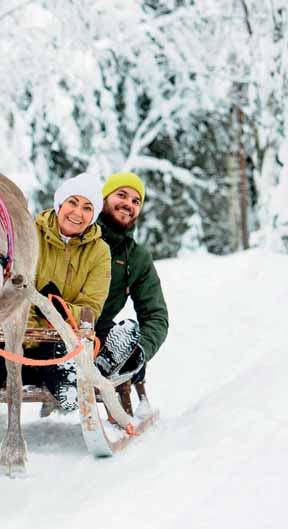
113,223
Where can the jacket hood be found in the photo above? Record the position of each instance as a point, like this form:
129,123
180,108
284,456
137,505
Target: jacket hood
47,223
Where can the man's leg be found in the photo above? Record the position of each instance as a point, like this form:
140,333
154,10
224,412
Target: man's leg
121,352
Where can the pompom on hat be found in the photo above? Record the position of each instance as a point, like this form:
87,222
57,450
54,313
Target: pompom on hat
117,180
84,184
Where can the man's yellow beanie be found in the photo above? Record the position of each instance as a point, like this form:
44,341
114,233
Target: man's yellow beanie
117,180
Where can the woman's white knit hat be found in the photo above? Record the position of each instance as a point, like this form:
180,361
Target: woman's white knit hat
84,184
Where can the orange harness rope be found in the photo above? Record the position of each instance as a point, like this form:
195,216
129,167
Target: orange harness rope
70,317
19,359
13,357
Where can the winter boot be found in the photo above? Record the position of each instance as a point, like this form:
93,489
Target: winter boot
121,356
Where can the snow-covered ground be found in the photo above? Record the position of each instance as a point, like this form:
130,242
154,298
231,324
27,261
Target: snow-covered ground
218,457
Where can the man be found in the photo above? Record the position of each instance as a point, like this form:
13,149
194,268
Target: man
126,347
129,345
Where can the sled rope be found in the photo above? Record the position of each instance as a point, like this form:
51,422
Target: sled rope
19,359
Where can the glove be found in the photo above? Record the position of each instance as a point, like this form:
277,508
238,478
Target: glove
51,288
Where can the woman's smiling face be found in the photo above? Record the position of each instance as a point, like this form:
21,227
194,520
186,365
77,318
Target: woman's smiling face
75,215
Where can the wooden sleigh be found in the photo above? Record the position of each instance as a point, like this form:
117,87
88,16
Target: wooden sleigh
104,434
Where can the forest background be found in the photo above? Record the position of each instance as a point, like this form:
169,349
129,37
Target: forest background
190,94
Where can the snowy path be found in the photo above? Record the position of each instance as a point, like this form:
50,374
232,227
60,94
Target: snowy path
219,455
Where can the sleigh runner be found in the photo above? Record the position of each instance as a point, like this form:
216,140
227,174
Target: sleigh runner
104,432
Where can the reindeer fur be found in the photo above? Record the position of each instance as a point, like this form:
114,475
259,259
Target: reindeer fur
16,295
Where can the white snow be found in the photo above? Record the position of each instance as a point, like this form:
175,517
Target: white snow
218,457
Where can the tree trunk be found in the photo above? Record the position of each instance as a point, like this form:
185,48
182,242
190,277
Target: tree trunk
232,171
243,184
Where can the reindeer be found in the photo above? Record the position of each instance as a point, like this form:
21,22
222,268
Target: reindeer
18,260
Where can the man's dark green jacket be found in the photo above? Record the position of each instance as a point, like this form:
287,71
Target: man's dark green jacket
134,274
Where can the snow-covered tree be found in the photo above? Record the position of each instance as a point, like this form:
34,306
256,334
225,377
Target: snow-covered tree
190,94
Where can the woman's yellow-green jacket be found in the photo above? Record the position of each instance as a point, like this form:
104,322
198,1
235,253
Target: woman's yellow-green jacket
80,268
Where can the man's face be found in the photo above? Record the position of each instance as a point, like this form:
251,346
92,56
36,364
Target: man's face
122,207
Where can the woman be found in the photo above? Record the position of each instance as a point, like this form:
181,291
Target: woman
72,254
74,263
